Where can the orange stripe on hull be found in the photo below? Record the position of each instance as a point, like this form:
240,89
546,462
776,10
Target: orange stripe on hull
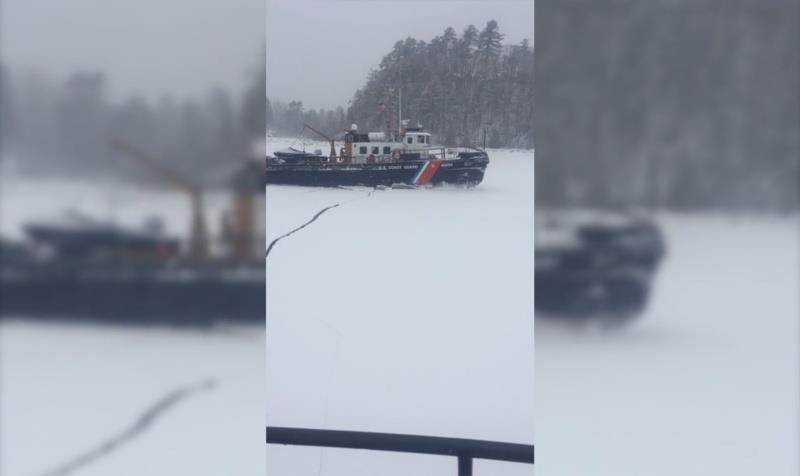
428,171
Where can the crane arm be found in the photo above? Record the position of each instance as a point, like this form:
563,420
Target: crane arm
159,168
198,233
318,132
332,154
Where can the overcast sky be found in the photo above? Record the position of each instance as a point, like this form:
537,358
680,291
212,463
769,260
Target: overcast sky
150,47
320,51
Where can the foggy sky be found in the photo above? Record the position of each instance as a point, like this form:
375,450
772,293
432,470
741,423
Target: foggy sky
320,51
149,47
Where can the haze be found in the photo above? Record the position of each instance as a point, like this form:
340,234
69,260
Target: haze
147,47
320,52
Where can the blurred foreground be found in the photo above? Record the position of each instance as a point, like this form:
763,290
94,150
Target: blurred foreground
91,262
68,390
705,382
94,240
687,109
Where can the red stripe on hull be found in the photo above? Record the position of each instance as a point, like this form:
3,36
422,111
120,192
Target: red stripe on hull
428,171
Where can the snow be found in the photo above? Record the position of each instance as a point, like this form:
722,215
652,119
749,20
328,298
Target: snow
409,311
66,388
377,318
705,382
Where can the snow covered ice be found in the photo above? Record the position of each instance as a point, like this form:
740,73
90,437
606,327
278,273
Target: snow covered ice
435,338
67,388
402,311
705,382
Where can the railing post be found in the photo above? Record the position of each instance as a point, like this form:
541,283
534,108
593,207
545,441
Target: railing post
464,465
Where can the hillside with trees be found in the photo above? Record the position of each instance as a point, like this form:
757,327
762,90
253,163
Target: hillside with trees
64,127
288,118
457,86
679,104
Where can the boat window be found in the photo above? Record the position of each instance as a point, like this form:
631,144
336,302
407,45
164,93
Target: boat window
421,139
376,150
410,140
387,150
362,149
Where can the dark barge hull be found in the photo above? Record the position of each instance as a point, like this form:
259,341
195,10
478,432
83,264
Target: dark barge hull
466,170
204,300
605,276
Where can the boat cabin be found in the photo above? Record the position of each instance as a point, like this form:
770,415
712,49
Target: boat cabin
383,147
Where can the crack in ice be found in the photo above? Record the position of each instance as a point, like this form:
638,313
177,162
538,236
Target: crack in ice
146,419
312,220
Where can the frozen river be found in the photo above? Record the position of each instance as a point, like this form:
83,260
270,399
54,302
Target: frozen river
705,382
67,390
409,311
402,311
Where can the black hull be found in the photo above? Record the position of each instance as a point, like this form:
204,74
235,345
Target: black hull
134,300
464,171
616,296
606,275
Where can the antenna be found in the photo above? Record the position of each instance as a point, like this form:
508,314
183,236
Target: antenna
399,111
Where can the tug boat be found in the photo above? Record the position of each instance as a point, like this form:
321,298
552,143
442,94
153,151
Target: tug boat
404,157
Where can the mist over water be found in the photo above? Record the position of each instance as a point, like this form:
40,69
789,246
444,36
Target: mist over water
148,48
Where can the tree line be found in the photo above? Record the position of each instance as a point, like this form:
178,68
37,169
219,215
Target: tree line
456,86
65,126
678,104
287,119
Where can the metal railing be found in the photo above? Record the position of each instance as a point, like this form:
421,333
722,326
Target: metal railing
464,449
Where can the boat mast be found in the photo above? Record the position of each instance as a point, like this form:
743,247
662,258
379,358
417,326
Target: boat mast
386,109
399,111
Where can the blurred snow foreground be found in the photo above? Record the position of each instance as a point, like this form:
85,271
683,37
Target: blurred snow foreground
408,311
90,400
99,400
705,382
402,311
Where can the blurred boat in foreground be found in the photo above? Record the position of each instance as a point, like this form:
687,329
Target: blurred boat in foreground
592,266
80,268
99,271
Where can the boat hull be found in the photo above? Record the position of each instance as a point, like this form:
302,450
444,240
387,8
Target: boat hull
464,170
125,298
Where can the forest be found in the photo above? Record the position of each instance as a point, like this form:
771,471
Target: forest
51,126
672,104
457,86
668,104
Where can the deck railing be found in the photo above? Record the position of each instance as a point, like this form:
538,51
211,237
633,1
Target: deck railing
465,450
